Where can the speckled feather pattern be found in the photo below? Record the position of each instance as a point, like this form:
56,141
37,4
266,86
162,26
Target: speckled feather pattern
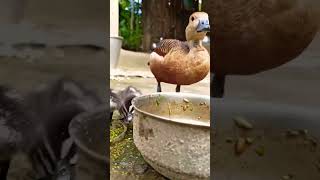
166,45
177,63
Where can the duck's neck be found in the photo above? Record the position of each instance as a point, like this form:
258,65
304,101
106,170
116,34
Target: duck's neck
195,43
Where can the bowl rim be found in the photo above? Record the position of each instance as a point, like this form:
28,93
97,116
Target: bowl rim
175,94
72,131
116,37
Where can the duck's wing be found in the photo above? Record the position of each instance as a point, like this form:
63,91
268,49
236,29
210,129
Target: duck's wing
166,45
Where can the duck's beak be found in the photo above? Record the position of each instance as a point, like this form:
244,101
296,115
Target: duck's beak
203,25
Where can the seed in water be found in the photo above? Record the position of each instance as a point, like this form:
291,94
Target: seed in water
242,123
186,100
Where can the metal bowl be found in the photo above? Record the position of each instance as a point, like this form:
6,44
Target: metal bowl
115,45
172,132
88,130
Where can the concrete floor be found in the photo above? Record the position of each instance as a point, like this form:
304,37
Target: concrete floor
132,64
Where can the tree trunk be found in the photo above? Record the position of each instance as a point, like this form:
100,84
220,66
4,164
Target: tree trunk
165,18
132,15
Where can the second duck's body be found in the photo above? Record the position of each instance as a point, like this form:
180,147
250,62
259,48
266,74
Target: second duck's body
183,63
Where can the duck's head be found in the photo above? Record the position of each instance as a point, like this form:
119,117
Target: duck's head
198,26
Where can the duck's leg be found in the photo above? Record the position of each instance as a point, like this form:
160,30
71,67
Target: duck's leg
4,165
159,87
217,86
111,115
178,88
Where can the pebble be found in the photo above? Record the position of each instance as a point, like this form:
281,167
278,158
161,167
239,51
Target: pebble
242,123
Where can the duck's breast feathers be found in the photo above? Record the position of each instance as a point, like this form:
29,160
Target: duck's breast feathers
166,45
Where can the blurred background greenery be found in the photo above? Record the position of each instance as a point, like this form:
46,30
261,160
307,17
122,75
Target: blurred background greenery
130,24
144,22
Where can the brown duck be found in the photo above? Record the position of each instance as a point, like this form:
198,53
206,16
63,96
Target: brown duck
183,63
251,36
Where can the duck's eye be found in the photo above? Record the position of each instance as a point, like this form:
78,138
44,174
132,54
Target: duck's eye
192,18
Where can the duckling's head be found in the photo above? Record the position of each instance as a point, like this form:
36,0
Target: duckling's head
198,26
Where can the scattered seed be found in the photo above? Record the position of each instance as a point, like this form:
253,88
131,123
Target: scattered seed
240,146
260,151
242,123
186,100
184,108
202,103
249,140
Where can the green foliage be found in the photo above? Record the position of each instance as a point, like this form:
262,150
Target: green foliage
132,35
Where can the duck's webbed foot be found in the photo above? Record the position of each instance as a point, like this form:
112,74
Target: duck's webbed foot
217,86
178,88
159,87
